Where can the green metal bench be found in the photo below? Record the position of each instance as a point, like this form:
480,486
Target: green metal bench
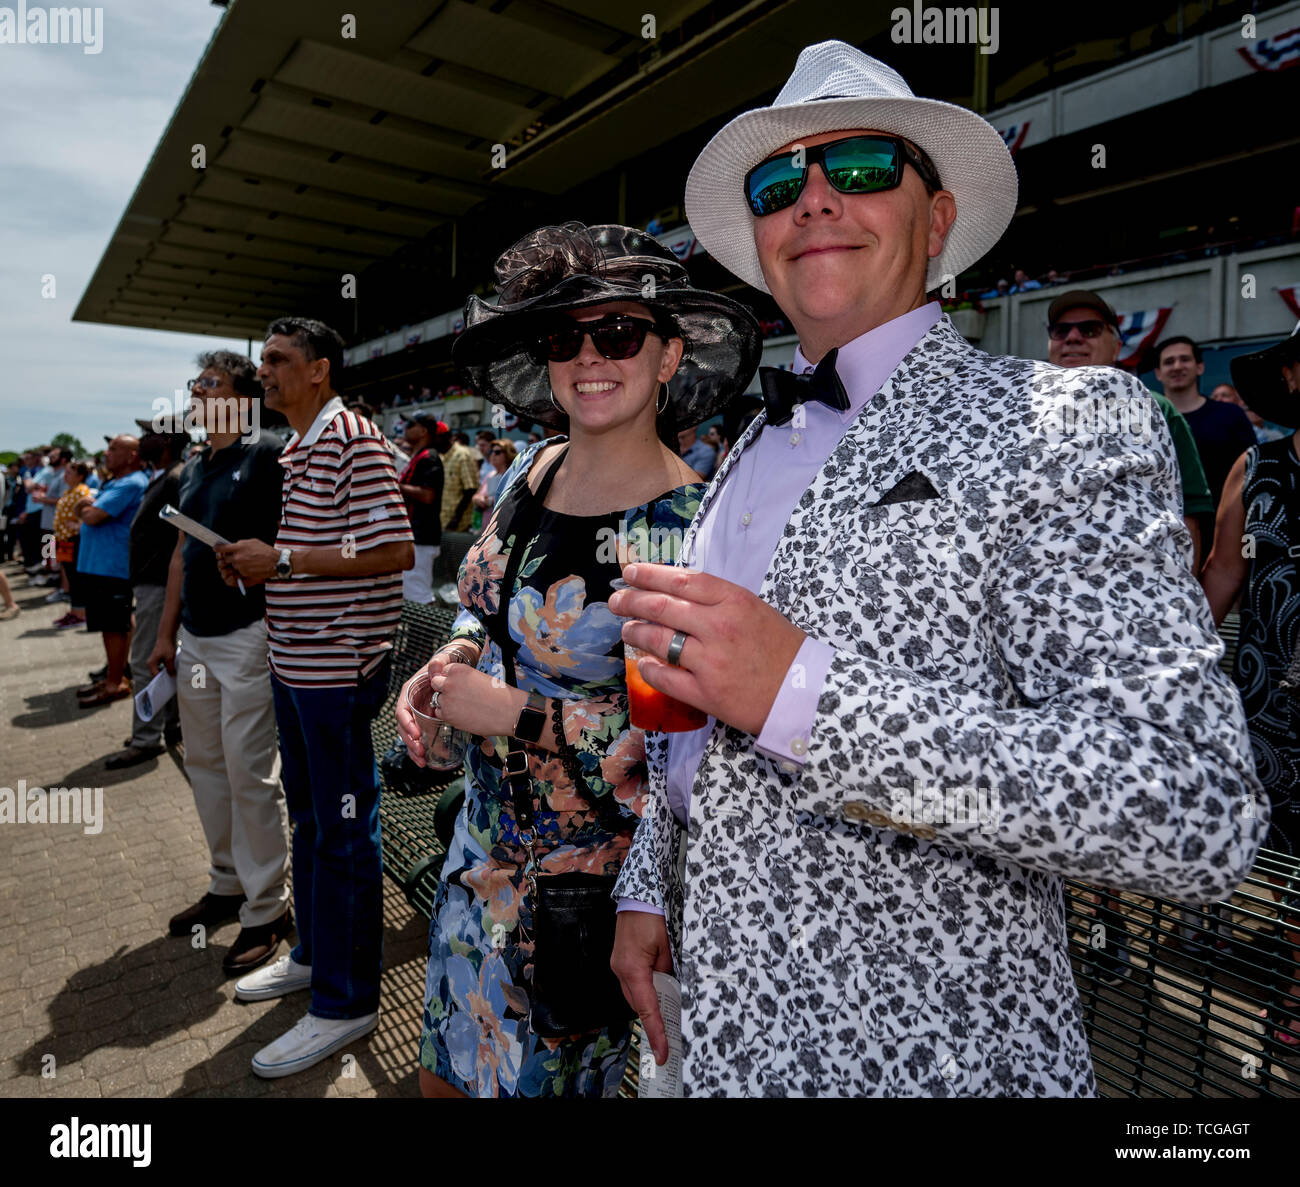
446,567
416,827
1229,631
1184,1001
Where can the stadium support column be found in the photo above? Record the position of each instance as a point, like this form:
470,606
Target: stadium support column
980,90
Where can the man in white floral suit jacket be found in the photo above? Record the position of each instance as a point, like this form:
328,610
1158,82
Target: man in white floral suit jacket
941,612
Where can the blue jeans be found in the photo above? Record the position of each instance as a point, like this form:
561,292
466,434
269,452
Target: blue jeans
327,756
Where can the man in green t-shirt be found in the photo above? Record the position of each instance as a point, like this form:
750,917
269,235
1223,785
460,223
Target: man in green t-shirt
1083,331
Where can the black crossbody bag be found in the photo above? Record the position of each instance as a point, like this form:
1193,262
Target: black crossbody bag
574,915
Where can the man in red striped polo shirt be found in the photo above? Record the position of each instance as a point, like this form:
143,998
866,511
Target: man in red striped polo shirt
333,600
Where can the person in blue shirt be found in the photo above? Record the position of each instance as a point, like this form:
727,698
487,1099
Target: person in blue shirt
697,453
27,515
103,560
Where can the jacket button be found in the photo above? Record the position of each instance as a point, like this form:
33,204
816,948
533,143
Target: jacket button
795,438
799,746
747,518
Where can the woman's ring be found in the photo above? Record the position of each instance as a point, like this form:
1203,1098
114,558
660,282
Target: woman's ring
433,700
674,656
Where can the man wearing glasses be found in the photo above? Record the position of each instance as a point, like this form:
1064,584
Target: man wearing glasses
952,650
223,689
1083,331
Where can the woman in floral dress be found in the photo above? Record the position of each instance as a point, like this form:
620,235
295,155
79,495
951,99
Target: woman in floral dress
576,344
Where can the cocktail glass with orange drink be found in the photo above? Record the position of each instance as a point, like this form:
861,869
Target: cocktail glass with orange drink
648,708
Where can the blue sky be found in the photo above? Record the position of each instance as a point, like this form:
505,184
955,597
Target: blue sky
76,132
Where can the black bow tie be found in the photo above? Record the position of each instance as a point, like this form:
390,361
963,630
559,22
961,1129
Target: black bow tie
782,390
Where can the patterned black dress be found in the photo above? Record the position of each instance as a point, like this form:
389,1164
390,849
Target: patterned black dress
1270,628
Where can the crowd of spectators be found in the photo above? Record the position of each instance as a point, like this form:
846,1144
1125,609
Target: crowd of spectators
414,393
1200,245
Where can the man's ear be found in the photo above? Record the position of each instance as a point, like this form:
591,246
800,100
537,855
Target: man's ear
943,213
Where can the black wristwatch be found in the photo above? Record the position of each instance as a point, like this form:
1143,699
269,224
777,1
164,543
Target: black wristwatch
532,717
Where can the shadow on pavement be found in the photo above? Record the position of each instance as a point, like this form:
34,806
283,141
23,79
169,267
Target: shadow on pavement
139,996
132,999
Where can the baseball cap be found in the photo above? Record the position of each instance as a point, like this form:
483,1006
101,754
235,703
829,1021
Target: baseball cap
430,422
168,424
1081,299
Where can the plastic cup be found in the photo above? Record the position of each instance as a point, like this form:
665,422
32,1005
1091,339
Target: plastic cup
650,709
444,745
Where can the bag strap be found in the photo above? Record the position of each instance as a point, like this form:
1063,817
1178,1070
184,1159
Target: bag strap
525,516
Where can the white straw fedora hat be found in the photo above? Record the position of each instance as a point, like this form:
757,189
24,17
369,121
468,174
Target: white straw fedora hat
835,87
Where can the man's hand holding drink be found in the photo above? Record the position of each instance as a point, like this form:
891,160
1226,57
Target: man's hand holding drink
734,654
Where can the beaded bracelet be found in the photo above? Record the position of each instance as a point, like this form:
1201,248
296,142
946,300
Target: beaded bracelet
572,767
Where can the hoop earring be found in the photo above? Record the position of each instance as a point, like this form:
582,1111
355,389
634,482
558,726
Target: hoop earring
557,404
658,406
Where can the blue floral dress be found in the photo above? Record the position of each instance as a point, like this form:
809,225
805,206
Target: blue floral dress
476,1034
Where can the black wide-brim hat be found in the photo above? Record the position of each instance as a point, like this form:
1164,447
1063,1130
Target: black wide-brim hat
1258,380
553,270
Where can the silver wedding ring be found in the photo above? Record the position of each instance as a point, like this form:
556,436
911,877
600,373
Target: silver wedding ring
674,656
433,700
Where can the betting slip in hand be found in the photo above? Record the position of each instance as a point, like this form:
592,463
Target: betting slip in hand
654,1080
192,527
156,694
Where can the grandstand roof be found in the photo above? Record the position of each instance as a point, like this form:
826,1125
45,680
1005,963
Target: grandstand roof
324,153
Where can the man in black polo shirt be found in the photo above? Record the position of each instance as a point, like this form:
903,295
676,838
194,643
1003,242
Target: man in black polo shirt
223,685
152,543
421,485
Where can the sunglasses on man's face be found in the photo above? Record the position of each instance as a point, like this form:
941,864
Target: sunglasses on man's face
618,336
854,165
1060,330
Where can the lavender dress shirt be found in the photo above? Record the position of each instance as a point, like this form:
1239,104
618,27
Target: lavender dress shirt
739,533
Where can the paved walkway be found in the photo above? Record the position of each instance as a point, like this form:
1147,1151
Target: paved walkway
97,999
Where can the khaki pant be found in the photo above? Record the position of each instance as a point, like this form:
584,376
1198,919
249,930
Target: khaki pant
232,757
149,603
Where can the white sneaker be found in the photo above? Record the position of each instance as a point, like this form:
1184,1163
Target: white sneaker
274,980
311,1040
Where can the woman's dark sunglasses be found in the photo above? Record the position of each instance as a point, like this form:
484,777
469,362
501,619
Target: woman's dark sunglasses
618,336
854,165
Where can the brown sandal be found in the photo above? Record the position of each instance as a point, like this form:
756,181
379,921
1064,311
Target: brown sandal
104,697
